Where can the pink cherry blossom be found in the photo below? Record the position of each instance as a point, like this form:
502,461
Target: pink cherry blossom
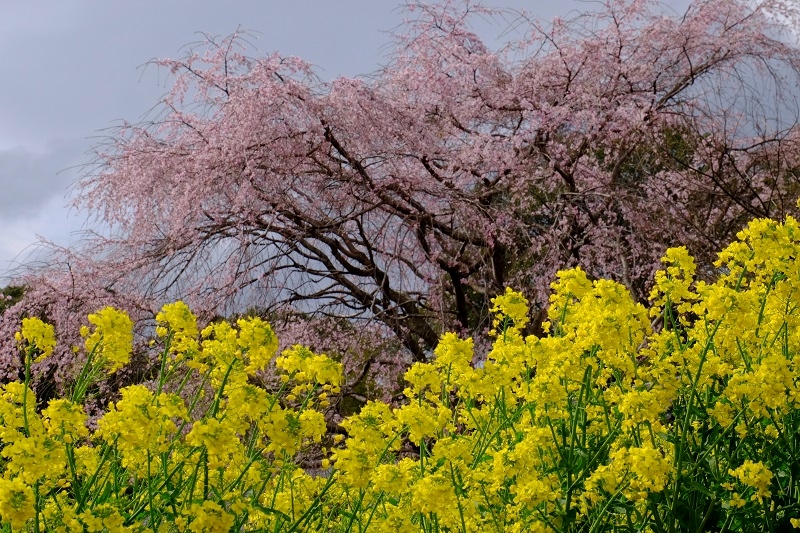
410,198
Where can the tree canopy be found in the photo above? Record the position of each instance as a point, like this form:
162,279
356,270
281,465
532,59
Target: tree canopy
410,198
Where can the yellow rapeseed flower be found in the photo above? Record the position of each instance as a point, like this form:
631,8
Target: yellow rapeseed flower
65,420
258,341
755,475
16,502
207,517
303,365
38,335
112,337
178,319
510,305
673,284
218,438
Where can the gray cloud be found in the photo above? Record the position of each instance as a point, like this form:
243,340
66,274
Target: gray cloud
29,180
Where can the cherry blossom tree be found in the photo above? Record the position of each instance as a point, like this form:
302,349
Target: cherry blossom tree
409,198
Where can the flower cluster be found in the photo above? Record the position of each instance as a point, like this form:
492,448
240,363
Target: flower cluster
111,340
38,336
607,422
155,458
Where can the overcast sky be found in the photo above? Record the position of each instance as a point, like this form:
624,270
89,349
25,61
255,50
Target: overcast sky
71,69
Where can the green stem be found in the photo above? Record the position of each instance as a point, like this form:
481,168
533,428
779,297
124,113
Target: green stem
25,392
36,507
680,445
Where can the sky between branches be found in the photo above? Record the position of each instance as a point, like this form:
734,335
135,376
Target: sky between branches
72,69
